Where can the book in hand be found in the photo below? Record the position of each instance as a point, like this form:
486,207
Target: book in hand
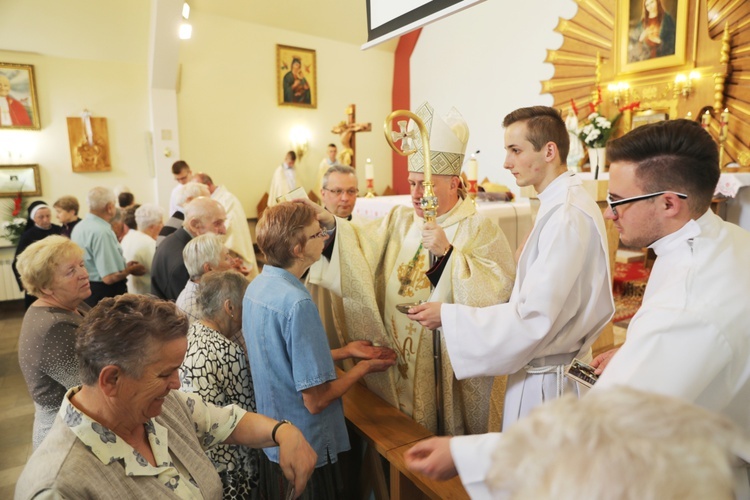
292,195
581,373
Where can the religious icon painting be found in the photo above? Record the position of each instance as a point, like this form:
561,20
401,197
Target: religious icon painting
18,103
297,82
652,34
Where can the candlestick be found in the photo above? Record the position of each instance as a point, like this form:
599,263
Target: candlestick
370,177
472,172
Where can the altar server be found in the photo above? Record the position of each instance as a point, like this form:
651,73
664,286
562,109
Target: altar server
561,300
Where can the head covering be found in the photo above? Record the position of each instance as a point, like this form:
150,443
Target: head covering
448,137
33,207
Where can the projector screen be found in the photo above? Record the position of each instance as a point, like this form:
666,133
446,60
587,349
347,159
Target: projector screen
387,19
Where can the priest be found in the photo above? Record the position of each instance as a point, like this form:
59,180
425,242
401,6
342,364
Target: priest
285,179
379,265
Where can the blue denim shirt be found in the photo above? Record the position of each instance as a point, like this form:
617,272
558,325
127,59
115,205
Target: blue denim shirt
289,353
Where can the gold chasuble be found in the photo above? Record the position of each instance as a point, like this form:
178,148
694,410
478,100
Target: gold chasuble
376,265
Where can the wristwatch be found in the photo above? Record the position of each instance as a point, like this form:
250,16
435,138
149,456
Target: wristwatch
276,428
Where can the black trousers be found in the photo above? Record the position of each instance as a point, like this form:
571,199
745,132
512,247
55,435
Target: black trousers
101,290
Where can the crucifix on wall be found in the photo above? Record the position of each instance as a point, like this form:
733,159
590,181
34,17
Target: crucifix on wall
347,130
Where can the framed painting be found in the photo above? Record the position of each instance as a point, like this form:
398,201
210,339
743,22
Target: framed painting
18,104
641,118
22,179
651,34
297,84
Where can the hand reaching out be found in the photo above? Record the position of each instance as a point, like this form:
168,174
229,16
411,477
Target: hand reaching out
427,315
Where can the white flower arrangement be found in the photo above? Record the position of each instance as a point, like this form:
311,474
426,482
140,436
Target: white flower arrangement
597,131
13,229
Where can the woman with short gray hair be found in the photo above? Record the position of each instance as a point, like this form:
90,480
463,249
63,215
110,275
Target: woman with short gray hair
216,369
201,254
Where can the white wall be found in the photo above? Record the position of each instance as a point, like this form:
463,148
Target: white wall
487,61
231,126
115,90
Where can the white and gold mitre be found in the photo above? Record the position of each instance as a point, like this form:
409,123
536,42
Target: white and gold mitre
448,138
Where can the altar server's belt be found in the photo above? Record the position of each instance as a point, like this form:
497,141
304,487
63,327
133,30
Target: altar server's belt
551,364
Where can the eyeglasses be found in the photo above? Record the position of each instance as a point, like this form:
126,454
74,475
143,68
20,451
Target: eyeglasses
322,234
339,192
613,204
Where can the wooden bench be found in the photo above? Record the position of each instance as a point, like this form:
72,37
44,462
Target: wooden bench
389,433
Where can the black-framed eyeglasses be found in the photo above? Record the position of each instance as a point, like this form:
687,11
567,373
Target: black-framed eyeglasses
339,192
613,204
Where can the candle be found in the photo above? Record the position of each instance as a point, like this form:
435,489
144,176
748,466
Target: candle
472,169
705,119
369,170
725,117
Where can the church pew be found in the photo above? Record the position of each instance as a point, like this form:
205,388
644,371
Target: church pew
390,433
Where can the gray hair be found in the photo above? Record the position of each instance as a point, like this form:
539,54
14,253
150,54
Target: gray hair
203,249
148,215
339,169
99,197
190,191
117,217
127,331
218,287
630,444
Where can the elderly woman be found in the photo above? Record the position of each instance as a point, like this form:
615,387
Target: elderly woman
51,269
202,254
127,433
38,226
216,369
292,366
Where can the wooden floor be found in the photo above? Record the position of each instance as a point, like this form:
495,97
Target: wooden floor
16,407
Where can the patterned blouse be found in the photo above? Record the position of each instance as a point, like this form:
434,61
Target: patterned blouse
46,354
217,370
212,425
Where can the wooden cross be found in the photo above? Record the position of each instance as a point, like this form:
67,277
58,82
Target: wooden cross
347,130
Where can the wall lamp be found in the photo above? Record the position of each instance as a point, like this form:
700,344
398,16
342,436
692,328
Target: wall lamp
683,85
186,29
618,92
299,136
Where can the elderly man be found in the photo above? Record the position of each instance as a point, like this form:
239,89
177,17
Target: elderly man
140,245
181,172
185,194
12,112
339,191
238,239
379,265
202,254
284,180
103,257
168,272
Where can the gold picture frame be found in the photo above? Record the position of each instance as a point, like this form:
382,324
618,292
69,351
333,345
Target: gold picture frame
22,179
17,86
655,43
296,77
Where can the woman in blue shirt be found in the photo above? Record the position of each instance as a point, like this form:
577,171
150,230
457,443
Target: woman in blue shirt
290,360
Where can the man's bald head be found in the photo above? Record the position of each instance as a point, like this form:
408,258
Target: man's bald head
204,215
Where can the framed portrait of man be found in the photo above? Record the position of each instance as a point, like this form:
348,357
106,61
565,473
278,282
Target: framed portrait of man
18,103
297,84
651,34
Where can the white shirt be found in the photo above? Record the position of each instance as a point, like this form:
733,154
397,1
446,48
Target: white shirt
173,206
139,247
690,338
561,300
